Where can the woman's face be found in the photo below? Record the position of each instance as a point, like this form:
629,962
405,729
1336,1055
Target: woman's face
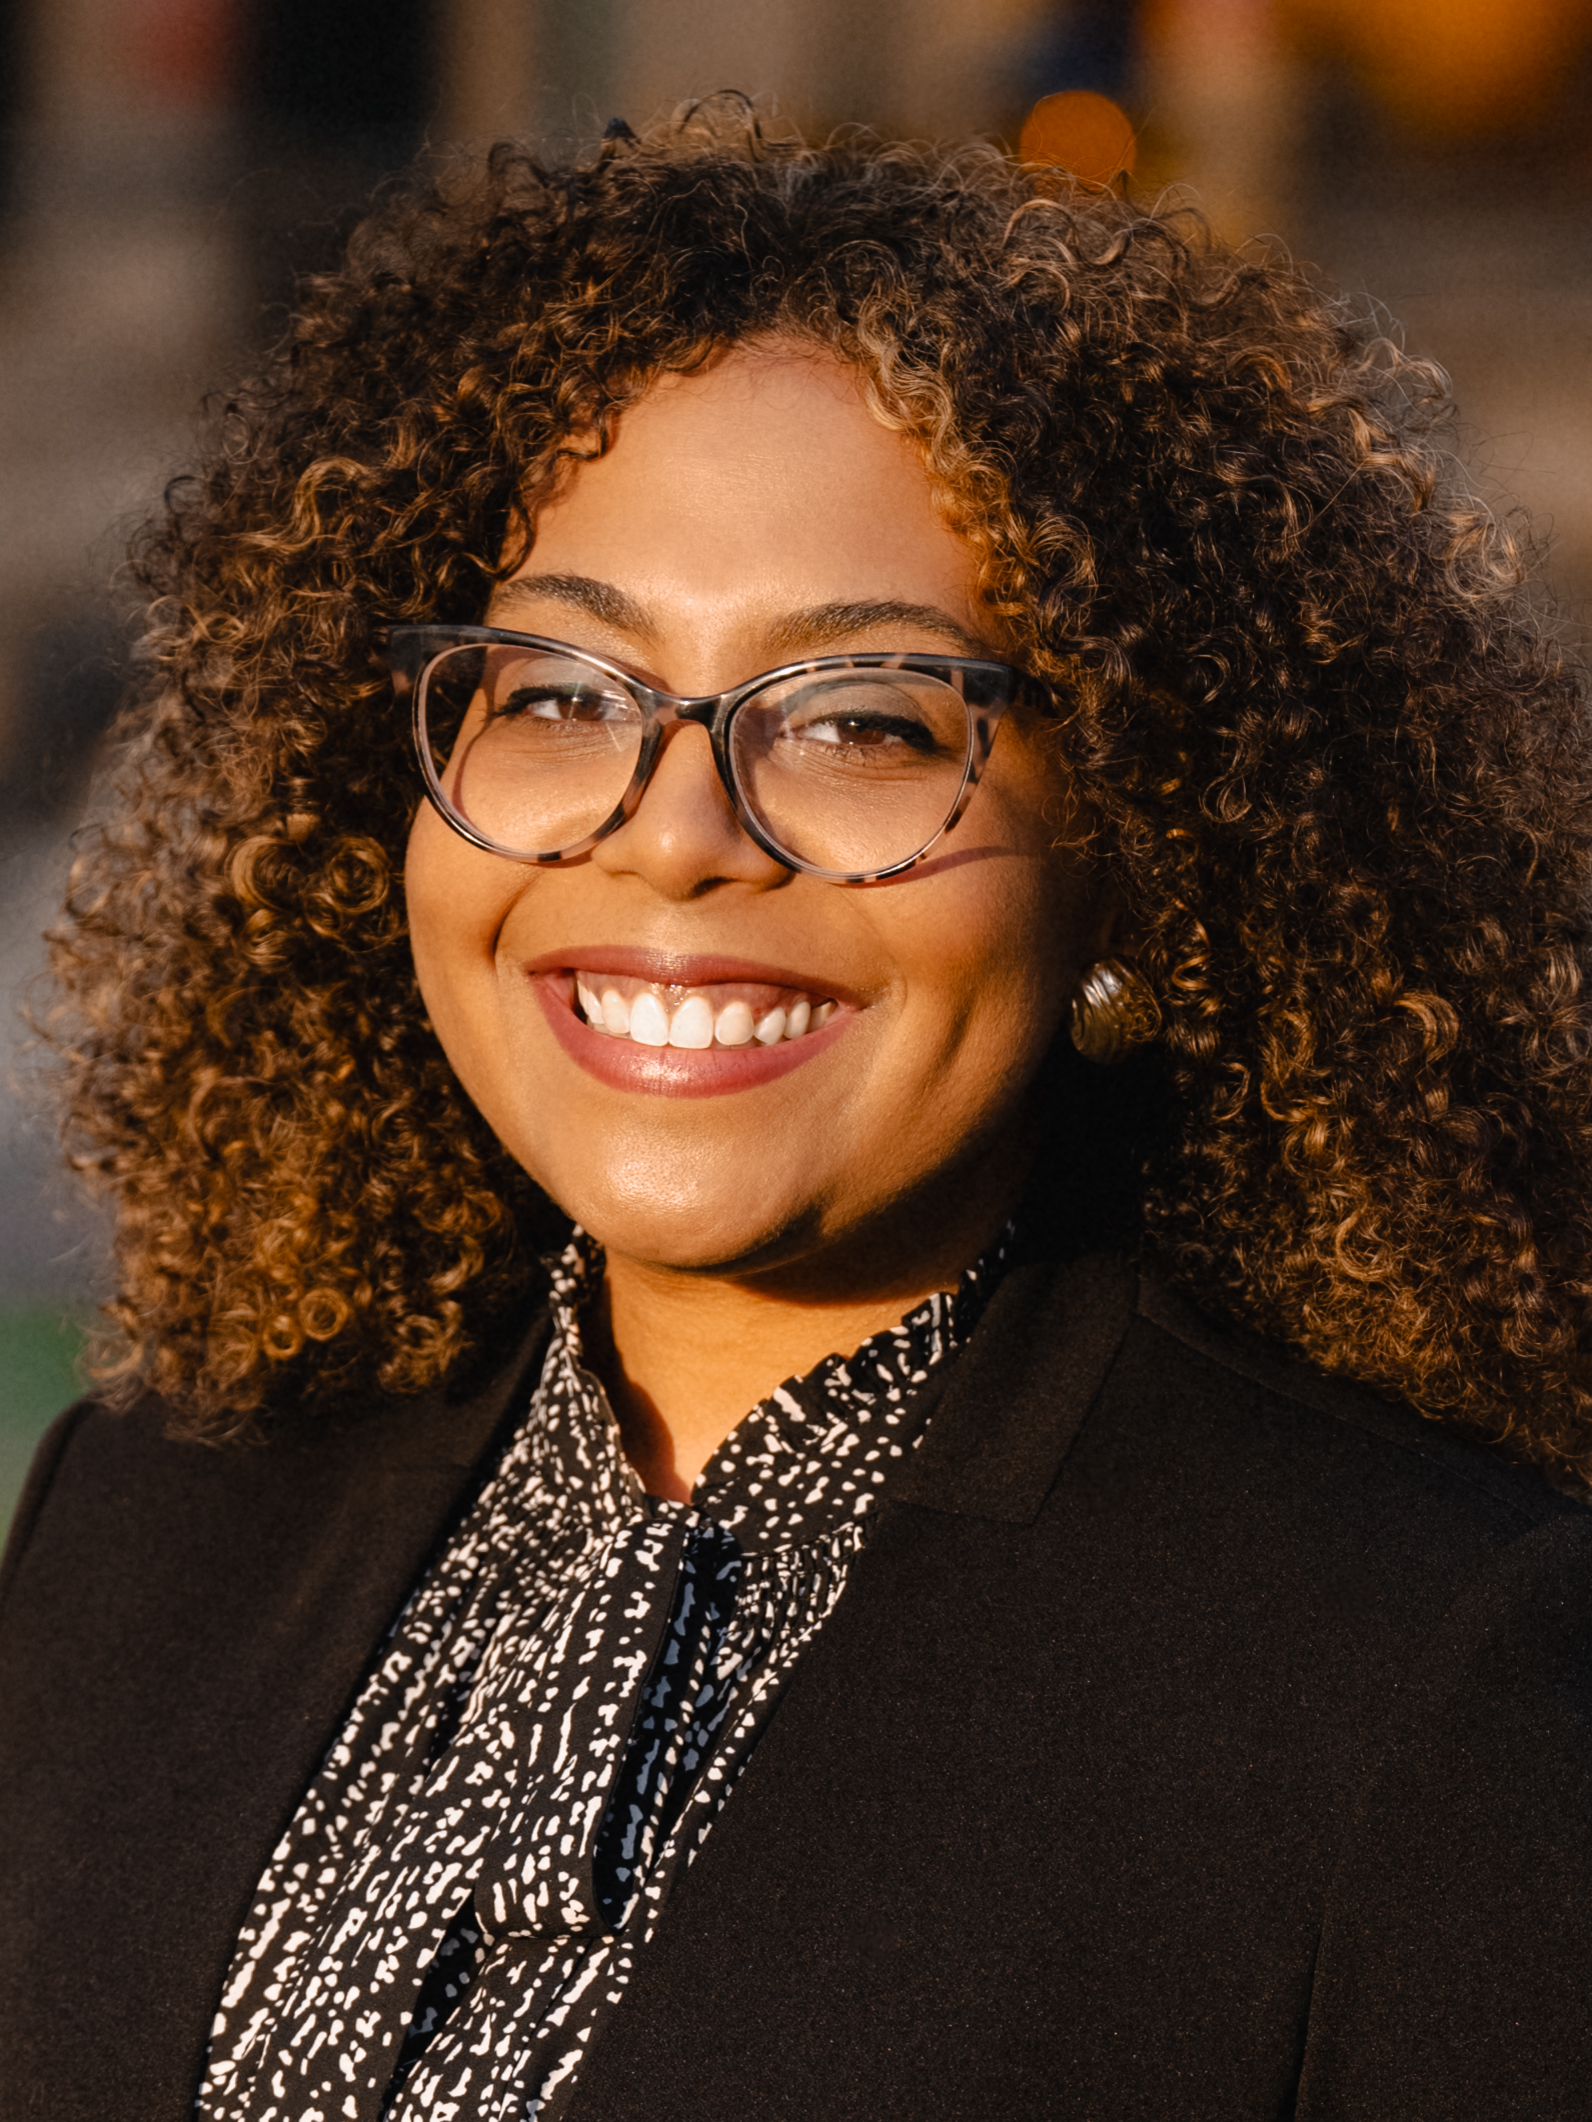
748,516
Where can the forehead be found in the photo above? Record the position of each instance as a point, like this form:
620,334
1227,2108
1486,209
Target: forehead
756,413
763,478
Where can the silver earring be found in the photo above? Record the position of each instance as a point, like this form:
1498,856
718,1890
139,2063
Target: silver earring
1113,1011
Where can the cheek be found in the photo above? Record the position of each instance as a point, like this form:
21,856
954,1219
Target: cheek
990,963
1020,925
1027,965
456,908
1044,920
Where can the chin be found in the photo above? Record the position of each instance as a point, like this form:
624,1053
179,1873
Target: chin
691,1231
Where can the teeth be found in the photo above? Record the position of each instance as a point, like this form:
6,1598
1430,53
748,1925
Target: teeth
733,1025
646,1017
649,1021
691,1024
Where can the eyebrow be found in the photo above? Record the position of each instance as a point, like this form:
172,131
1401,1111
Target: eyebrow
821,624
598,600
796,633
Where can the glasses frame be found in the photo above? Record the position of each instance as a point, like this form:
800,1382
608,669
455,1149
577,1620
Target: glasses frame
411,650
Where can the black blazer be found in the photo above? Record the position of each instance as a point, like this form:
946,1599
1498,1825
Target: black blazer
1197,1738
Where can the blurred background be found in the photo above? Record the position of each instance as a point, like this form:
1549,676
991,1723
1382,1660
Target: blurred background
167,165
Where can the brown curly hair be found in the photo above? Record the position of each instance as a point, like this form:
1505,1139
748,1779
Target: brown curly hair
1340,771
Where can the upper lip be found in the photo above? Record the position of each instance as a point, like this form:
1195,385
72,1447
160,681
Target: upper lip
682,969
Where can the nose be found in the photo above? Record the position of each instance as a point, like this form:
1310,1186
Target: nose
685,839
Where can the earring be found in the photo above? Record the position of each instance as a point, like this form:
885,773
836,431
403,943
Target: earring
1113,1011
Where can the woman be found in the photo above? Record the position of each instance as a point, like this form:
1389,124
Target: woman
980,799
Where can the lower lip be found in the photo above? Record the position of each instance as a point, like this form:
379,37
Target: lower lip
674,1071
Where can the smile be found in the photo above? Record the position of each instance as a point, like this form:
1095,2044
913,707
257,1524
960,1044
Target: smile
693,1027
723,1014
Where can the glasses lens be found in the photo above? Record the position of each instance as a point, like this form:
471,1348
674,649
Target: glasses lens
852,771
532,750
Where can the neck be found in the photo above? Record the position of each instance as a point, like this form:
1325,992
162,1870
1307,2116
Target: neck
684,1356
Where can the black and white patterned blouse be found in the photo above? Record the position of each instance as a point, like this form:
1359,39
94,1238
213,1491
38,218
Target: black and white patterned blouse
549,1733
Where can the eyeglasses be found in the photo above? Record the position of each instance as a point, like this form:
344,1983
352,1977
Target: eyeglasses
847,767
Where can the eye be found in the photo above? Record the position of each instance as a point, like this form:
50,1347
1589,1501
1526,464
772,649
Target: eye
563,704
873,718
862,732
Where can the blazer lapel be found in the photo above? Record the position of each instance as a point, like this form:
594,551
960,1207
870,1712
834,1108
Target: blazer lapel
1011,1404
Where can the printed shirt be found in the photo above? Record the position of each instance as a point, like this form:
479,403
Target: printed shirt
548,1735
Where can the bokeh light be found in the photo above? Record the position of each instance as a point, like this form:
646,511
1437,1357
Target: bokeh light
1080,131
1453,68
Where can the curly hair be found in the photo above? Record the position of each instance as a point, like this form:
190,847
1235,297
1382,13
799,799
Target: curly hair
1340,772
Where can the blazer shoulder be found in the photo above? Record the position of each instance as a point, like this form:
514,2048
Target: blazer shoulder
49,1453
119,1512
1404,1439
